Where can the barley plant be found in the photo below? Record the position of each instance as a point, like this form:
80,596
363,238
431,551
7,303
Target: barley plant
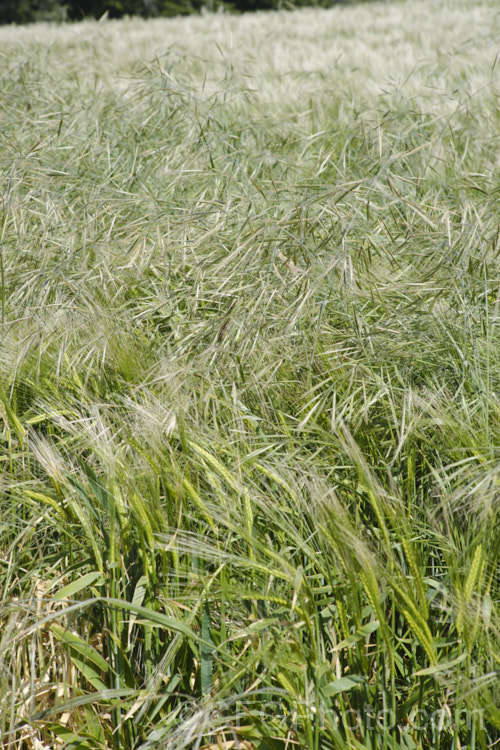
249,381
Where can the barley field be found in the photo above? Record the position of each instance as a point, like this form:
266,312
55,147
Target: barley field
249,381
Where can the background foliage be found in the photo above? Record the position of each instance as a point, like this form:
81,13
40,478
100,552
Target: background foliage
27,11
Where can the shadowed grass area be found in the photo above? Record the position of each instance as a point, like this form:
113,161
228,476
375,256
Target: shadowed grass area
249,381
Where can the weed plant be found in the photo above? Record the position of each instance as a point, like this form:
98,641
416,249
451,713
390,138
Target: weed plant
250,369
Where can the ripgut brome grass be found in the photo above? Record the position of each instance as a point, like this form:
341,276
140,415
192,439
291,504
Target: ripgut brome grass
249,379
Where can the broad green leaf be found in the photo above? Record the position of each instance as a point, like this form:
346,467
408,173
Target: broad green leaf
81,583
137,599
151,617
72,740
343,685
207,649
359,635
108,696
88,670
442,666
84,656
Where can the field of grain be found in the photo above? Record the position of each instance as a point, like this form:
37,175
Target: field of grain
249,381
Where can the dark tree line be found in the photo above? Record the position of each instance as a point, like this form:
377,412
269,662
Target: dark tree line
27,11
